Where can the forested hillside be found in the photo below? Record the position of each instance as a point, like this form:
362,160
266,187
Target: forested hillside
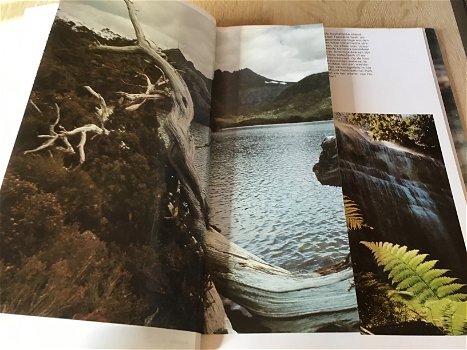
105,237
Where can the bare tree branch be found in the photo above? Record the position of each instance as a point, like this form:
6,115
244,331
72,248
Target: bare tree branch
118,49
137,100
136,25
162,79
103,113
82,142
35,107
151,87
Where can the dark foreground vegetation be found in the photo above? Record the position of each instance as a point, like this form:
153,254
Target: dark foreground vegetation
407,249
107,239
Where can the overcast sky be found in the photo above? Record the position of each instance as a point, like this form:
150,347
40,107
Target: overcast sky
170,24
287,53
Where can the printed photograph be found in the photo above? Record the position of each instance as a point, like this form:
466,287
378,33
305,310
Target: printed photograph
270,75
100,207
273,195
408,252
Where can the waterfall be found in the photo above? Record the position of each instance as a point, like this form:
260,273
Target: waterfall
404,195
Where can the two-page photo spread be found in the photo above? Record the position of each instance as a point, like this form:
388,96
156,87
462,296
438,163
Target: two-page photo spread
106,212
174,184
96,220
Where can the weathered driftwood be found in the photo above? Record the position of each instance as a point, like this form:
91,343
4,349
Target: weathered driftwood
277,294
264,289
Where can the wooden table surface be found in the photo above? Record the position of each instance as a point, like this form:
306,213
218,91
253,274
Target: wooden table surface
437,14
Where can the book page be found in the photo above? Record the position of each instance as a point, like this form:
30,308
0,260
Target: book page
403,191
277,252
95,216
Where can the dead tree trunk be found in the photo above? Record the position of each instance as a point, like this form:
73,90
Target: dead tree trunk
263,288
176,125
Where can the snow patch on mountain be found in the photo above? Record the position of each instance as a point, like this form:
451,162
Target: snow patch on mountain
276,82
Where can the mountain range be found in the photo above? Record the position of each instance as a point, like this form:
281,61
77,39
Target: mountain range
244,98
231,99
76,35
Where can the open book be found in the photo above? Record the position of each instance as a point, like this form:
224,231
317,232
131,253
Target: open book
170,174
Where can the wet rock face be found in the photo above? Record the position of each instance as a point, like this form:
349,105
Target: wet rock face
404,195
327,168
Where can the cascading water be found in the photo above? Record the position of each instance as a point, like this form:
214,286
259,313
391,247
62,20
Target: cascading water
404,195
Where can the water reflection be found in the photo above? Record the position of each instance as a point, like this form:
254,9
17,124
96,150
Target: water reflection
264,196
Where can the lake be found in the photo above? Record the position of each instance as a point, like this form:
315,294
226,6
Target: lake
264,196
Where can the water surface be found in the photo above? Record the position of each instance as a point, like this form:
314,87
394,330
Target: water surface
265,197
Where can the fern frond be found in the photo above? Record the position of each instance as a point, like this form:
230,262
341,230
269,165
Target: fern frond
425,267
398,277
409,271
426,295
417,260
353,216
408,282
432,274
400,268
433,294
438,282
449,289
457,297
450,316
409,255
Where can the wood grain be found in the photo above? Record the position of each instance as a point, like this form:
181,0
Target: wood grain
300,302
437,14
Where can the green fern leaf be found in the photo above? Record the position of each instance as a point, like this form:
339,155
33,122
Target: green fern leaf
457,297
431,293
400,268
426,295
409,255
450,316
409,271
441,281
449,289
391,265
425,267
432,274
408,282
459,319
419,288
417,260
398,277
400,251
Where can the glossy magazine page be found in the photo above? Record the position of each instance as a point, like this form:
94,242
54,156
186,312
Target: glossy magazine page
279,257
403,193
100,206
49,332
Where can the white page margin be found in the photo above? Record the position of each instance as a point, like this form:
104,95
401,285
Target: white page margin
402,83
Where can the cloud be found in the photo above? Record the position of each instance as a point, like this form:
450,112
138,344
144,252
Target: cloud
170,24
287,53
